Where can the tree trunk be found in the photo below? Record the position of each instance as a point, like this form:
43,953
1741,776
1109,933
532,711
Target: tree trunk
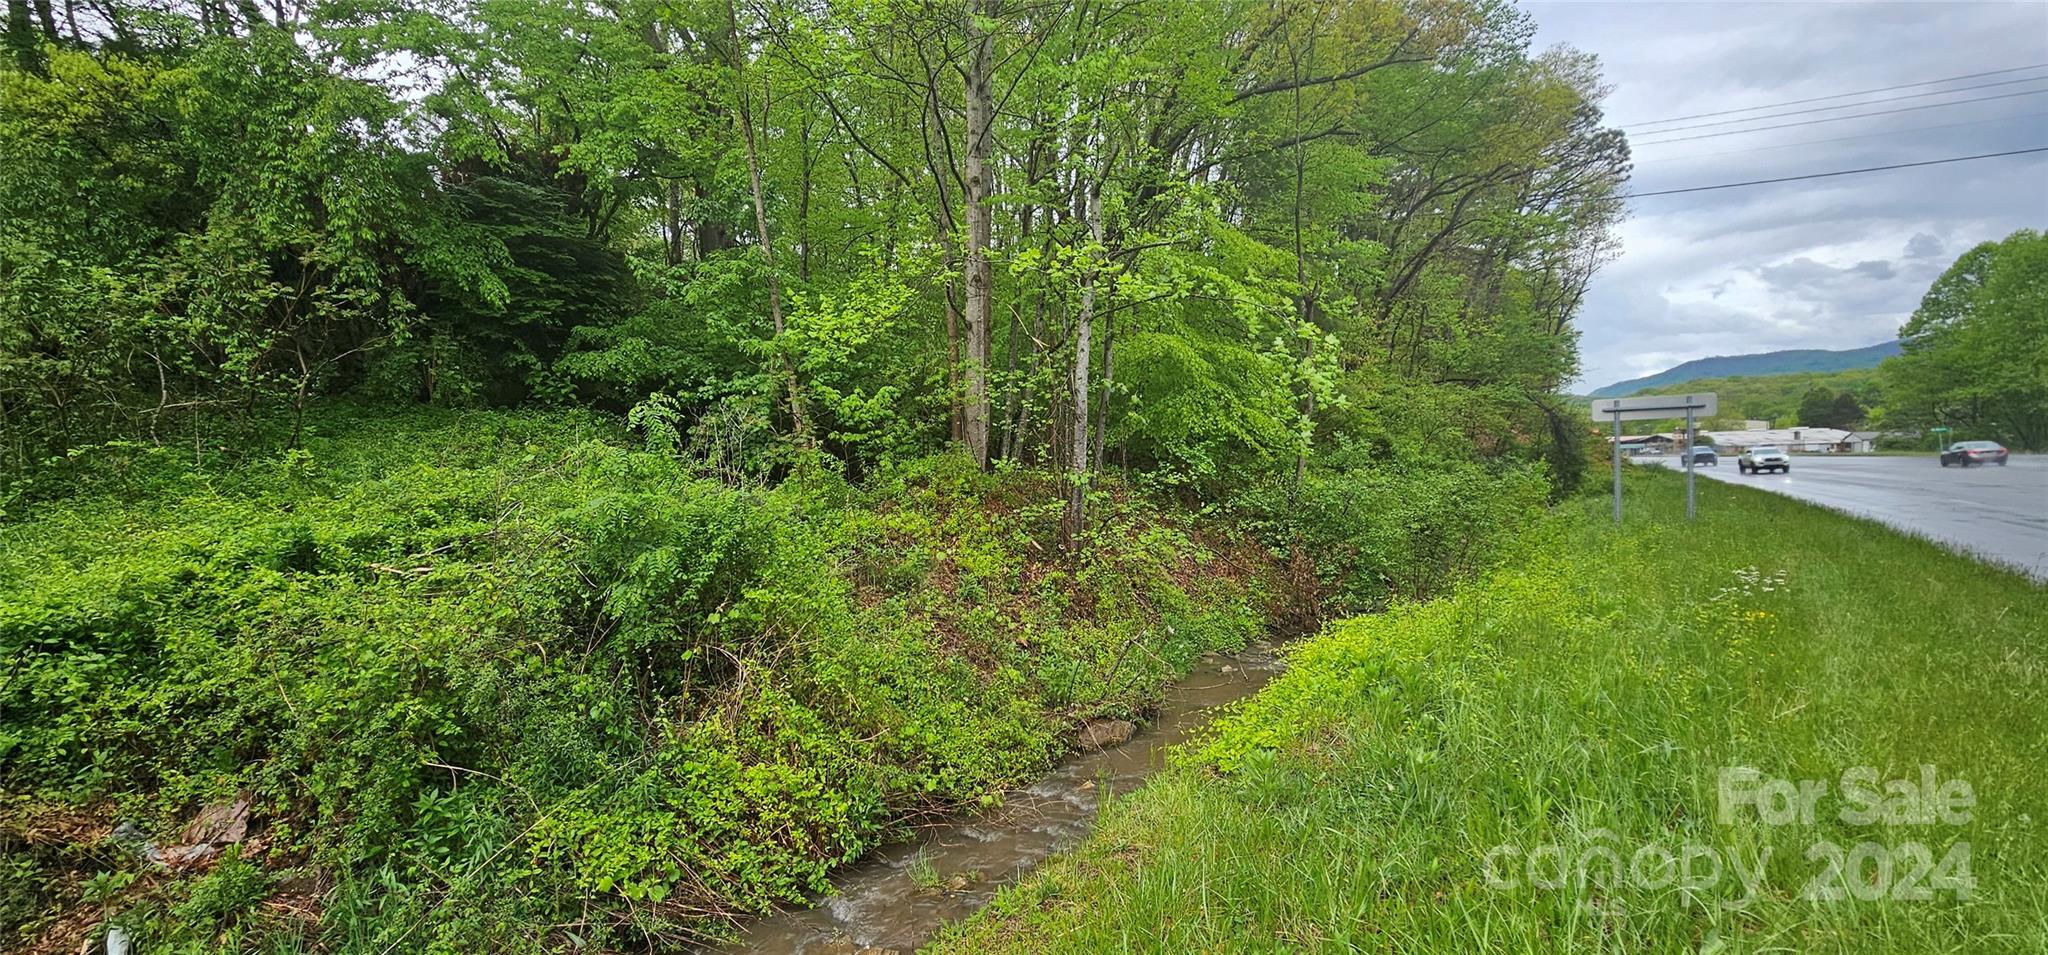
803,201
796,402
980,117
1018,394
21,36
942,224
1084,323
1302,300
1108,382
673,208
713,233
1013,391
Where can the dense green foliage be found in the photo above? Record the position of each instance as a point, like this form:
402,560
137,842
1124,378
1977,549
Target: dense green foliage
482,671
1171,243
1826,408
1373,536
583,470
1976,351
1588,697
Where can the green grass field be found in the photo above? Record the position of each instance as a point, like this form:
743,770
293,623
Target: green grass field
1419,780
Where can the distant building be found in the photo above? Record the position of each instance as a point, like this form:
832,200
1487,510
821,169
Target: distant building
1803,440
1752,424
1634,444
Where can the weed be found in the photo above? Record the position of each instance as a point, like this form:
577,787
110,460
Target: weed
923,874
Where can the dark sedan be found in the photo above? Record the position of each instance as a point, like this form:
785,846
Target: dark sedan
1703,456
1966,453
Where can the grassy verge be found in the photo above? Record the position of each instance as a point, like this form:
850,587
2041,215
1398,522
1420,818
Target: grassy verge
502,682
1467,774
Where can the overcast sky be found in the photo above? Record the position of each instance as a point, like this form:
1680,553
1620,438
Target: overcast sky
1828,263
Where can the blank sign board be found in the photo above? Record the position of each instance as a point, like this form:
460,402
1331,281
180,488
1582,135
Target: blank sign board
1649,407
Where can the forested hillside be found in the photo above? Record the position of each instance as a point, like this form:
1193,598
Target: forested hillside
506,475
1839,399
1771,363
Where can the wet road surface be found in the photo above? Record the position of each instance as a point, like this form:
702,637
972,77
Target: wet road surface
1999,514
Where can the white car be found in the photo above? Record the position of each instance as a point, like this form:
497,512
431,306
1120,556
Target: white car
1764,457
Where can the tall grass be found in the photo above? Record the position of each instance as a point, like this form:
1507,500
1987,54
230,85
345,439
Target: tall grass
1589,699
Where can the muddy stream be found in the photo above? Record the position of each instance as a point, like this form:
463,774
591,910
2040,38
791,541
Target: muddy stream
899,896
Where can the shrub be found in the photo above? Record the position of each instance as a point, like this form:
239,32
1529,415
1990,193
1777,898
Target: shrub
1375,534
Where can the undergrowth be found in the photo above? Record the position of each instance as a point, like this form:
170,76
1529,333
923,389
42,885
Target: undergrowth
496,681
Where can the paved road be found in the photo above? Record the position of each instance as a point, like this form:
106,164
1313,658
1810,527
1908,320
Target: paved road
1998,513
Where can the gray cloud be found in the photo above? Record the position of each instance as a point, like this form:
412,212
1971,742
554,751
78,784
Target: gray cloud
1822,263
1806,275
1924,246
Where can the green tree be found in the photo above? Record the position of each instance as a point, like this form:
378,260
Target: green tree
1975,353
218,230
1817,408
1846,413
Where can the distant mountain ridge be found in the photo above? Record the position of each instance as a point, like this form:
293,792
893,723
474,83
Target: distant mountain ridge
1764,363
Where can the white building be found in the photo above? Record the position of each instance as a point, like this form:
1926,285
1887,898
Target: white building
1804,440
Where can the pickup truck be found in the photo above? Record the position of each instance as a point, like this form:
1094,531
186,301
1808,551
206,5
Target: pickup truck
1764,457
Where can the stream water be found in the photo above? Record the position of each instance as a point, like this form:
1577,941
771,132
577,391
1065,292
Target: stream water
900,896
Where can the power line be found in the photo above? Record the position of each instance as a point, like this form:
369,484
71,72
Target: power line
1816,99
1838,173
1834,119
1874,102
1839,139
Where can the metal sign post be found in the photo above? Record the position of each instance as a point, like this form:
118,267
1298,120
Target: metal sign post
1617,467
1652,408
1689,439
